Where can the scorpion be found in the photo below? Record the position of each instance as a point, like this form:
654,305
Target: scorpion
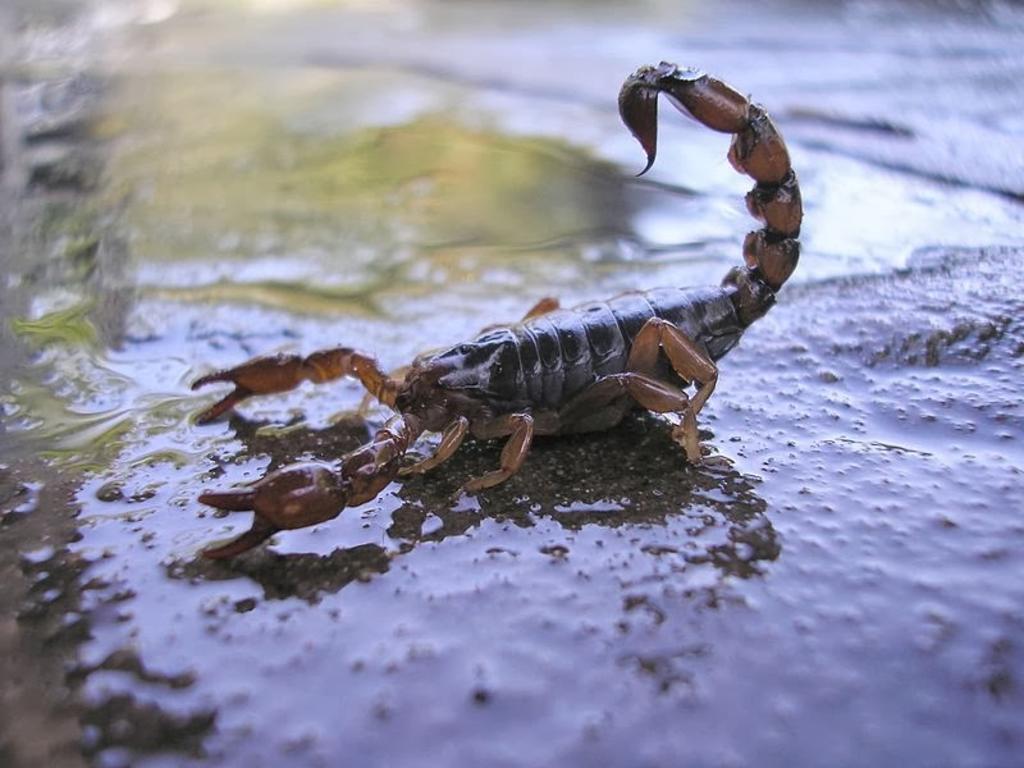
557,371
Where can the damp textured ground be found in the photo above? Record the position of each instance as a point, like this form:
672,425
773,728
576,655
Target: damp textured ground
189,185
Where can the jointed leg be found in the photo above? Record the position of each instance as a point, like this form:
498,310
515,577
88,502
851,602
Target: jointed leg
542,307
688,360
281,373
451,439
650,393
520,425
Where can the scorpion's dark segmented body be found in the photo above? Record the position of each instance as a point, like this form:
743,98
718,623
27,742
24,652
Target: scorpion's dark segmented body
559,370
544,361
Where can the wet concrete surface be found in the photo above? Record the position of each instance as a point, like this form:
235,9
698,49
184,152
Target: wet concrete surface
840,584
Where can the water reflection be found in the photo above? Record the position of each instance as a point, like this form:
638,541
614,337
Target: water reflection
298,182
306,576
603,480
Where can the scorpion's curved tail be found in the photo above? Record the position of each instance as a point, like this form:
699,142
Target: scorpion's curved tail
300,495
771,253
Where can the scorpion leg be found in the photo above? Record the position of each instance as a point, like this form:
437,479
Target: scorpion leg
281,373
451,439
649,392
542,307
520,426
688,360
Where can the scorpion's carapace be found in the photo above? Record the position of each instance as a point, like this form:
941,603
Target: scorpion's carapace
559,370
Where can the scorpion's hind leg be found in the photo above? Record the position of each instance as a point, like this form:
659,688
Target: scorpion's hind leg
520,428
281,373
689,360
638,381
654,395
542,307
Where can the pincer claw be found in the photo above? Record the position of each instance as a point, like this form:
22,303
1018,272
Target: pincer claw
261,376
295,496
232,501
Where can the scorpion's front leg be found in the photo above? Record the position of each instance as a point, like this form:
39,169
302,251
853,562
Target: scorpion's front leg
519,427
451,439
301,495
281,373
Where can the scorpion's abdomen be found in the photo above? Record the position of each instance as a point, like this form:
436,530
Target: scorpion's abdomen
544,362
631,312
555,355
608,347
575,347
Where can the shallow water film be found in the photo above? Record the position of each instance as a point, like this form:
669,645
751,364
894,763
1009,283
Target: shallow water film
189,183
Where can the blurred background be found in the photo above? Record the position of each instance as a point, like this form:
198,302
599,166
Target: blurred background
189,183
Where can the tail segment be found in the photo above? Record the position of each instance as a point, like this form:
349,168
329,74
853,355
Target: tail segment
771,253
